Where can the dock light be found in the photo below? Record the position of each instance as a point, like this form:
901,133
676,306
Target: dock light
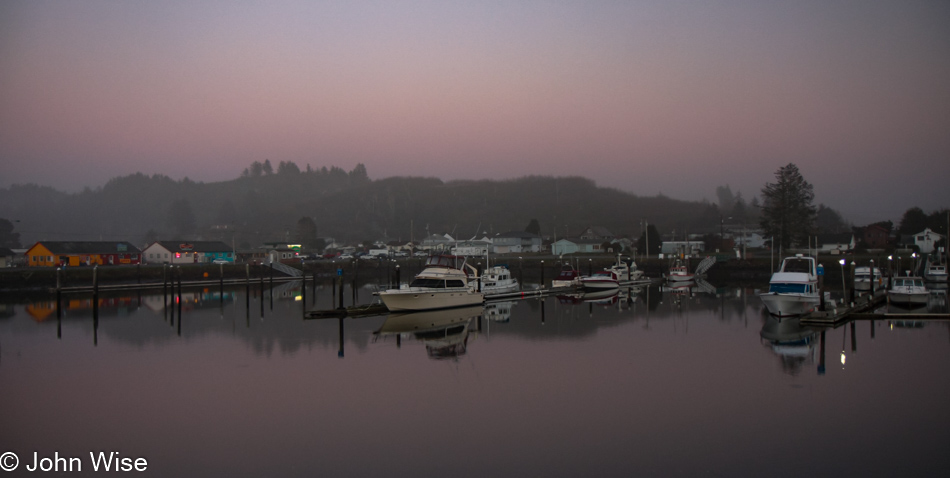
842,357
844,291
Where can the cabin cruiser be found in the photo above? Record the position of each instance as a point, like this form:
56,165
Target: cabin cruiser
626,269
601,280
862,278
443,283
935,273
793,290
906,290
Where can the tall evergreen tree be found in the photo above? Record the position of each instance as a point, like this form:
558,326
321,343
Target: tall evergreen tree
787,211
533,227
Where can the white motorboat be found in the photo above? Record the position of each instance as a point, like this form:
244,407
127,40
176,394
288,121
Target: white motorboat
793,290
443,283
626,269
862,278
498,279
601,280
935,273
906,290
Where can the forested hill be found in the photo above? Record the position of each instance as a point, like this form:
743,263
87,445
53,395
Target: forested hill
263,206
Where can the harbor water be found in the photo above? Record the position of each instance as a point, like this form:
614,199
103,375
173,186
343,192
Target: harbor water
648,382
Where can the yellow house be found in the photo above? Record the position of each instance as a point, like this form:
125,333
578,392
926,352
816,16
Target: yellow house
85,253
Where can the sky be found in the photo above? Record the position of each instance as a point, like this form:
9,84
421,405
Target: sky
650,97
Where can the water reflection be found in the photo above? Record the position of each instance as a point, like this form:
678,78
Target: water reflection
554,386
792,343
444,332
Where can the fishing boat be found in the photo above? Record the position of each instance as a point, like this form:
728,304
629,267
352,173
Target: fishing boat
443,283
568,277
679,272
908,291
601,280
793,290
498,279
862,278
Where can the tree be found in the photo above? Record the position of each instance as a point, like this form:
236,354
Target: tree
829,221
268,169
787,211
359,175
288,167
181,218
656,244
533,227
726,200
8,238
306,233
914,221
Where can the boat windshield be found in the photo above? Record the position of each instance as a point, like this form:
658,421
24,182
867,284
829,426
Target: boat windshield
797,265
785,288
443,261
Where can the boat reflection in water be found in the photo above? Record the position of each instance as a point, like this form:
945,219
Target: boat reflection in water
444,332
793,343
499,311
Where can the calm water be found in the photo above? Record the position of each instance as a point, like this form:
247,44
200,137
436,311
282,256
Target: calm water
650,384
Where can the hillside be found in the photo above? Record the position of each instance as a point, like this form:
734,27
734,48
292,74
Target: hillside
345,205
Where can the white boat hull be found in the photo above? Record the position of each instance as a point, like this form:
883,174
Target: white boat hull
409,299
908,298
786,305
680,277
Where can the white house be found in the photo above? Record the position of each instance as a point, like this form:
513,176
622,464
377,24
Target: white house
516,242
926,240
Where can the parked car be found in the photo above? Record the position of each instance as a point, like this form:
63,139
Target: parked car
220,261
345,257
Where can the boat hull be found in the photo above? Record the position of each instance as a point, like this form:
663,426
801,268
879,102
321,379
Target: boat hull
409,300
908,298
680,277
600,284
787,305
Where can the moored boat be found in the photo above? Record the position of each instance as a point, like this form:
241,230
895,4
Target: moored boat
793,290
862,278
601,280
443,283
935,273
568,277
498,279
679,272
907,290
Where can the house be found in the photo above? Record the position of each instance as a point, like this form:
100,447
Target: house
516,242
835,243
6,257
597,232
875,236
576,245
187,252
87,253
472,248
926,240
436,242
690,248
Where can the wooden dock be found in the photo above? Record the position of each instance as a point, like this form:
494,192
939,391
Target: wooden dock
863,309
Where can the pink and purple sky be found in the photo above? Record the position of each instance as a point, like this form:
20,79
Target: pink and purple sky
666,96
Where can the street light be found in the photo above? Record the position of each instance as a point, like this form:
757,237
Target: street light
844,288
